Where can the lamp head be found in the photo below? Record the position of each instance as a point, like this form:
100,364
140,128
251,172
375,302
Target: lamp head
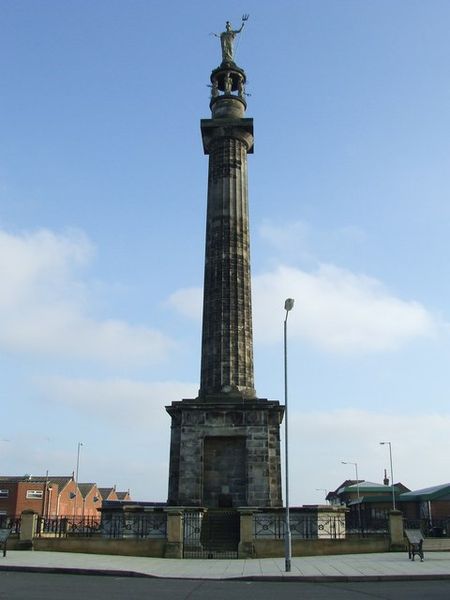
289,304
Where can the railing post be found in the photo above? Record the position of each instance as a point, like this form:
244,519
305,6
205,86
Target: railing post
246,548
396,530
174,544
28,524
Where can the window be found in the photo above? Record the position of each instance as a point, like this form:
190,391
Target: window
34,494
4,493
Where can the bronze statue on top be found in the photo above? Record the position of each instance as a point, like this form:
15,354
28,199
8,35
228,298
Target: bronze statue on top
227,40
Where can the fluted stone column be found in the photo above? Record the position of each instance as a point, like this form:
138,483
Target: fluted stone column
227,338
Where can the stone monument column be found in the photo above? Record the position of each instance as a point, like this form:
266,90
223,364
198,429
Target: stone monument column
227,339
225,444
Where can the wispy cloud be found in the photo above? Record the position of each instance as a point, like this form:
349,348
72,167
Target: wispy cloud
187,302
44,304
116,400
337,310
288,239
297,241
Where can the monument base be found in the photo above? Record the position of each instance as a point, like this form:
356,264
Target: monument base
225,452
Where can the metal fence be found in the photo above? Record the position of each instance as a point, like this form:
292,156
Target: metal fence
110,525
367,521
303,527
430,528
67,526
12,523
211,534
138,526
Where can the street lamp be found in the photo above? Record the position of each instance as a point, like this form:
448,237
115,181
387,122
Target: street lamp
392,471
357,488
288,305
76,480
323,490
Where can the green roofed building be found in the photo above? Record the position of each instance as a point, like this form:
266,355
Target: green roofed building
368,502
352,492
431,504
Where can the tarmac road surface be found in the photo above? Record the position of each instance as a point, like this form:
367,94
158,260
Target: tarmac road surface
48,586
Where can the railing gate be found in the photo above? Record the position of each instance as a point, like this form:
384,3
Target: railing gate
212,534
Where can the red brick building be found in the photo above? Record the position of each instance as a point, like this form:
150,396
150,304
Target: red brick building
26,493
53,496
91,499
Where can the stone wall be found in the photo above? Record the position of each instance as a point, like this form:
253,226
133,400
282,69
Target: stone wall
124,547
266,548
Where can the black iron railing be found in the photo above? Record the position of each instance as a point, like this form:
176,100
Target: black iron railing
141,526
110,525
65,526
12,523
367,521
430,528
303,527
211,534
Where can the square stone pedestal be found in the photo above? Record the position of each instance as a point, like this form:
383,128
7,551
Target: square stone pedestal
225,452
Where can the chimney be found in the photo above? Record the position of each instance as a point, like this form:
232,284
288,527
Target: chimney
386,478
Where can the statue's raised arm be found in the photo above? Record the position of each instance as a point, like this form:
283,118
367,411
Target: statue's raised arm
227,40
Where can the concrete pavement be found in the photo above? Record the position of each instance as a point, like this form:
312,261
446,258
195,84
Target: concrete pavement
351,567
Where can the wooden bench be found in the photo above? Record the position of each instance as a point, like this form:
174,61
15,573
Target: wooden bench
4,535
415,543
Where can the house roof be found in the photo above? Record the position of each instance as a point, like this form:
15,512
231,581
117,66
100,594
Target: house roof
20,478
106,491
339,490
61,482
370,487
85,488
122,495
378,499
435,492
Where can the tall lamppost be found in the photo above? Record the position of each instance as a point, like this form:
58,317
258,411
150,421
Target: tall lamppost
288,305
392,471
76,479
323,490
357,488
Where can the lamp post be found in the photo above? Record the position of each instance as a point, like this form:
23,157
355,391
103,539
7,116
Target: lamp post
392,471
357,489
323,490
288,305
76,479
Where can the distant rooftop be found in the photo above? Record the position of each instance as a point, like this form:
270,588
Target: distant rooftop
431,493
369,486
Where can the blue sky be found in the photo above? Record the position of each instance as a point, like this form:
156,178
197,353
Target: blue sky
102,215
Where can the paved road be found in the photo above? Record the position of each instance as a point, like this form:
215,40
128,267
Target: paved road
42,586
